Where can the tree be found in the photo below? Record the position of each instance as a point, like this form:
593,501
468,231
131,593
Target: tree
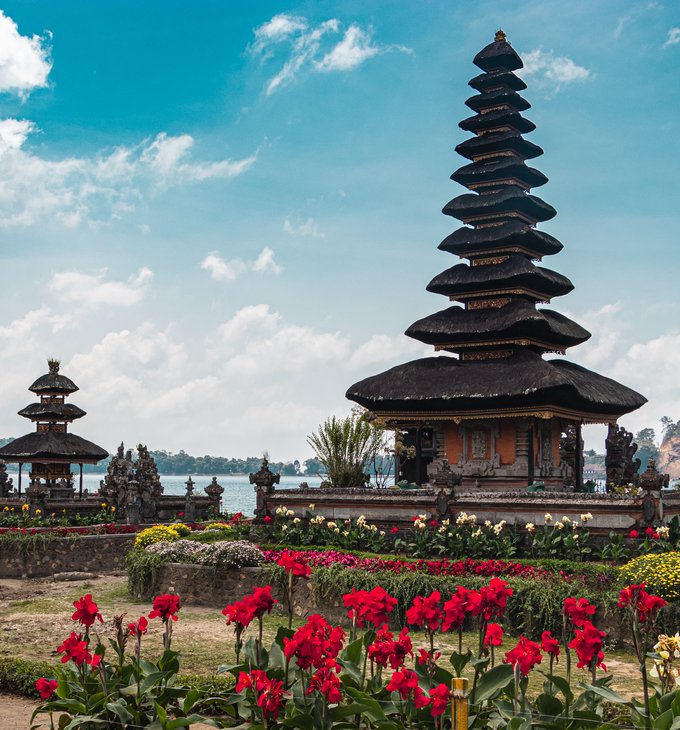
647,448
346,446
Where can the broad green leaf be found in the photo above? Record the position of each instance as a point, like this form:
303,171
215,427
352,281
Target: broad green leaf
460,661
493,681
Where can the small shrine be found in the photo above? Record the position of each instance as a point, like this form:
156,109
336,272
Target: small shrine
492,407
51,449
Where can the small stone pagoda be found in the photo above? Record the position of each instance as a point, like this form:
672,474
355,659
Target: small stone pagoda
500,414
51,449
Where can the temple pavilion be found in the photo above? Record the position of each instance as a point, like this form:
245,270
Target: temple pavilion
51,449
492,406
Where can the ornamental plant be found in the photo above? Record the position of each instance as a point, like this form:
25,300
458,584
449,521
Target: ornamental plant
127,691
659,572
157,533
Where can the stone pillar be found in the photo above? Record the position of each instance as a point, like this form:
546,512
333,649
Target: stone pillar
264,481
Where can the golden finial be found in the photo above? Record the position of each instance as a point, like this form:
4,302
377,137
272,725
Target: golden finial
500,36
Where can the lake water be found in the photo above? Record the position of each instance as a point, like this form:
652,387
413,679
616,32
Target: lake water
238,496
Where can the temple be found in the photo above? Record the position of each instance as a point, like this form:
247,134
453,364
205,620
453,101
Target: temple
51,449
500,414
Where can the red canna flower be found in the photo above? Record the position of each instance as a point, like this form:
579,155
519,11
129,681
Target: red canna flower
651,532
426,612
633,534
440,696
527,654
139,627
455,610
315,642
494,598
587,643
295,564
270,699
394,530
46,687
86,611
267,519
326,681
371,607
550,644
635,597
75,648
425,657
405,682
165,607
494,635
578,610
262,600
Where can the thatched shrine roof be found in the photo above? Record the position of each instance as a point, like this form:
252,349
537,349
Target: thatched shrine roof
516,272
52,412
510,234
522,381
52,446
518,321
509,199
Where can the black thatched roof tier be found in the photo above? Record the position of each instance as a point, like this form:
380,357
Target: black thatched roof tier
513,273
54,445
518,321
488,144
498,55
508,199
501,97
496,79
523,381
497,120
53,382
510,235
52,412
502,168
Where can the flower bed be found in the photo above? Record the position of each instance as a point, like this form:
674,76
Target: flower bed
109,528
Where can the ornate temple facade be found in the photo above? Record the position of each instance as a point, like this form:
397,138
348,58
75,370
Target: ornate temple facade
51,449
492,406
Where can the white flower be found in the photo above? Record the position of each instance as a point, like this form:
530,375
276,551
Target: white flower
345,533
663,531
472,519
574,524
547,518
281,510
284,528
361,519
559,525
419,525
331,525
382,533
311,507
374,528
296,521
487,523
441,530
530,527
336,530
461,519
586,517
477,533
566,520
498,528
290,513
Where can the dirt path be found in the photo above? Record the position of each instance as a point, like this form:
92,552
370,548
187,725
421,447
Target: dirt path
15,712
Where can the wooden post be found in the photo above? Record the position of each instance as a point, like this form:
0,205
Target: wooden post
459,703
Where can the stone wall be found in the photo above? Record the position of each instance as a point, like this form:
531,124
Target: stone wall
30,558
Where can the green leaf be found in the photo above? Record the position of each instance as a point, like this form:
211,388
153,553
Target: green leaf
493,681
561,684
160,711
460,661
549,705
352,652
608,694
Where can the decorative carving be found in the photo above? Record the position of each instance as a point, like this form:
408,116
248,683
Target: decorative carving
264,481
478,441
489,303
37,494
568,447
214,491
619,463
5,481
115,486
149,486
652,480
489,260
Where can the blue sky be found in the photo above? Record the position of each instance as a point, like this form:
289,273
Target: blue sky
220,215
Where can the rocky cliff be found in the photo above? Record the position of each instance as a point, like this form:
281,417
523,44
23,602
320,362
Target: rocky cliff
669,457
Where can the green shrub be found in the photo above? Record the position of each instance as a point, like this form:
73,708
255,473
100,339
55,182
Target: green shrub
18,676
142,568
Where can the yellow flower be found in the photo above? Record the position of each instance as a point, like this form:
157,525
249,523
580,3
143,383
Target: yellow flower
38,512
113,509
24,508
6,509
103,505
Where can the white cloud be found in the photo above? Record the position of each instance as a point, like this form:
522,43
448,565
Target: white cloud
24,62
383,349
93,290
71,190
265,262
352,51
304,228
551,69
221,270
633,14
304,42
673,37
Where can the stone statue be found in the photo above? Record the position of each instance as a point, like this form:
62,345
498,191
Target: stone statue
5,481
621,467
214,492
115,486
264,481
149,486
568,450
